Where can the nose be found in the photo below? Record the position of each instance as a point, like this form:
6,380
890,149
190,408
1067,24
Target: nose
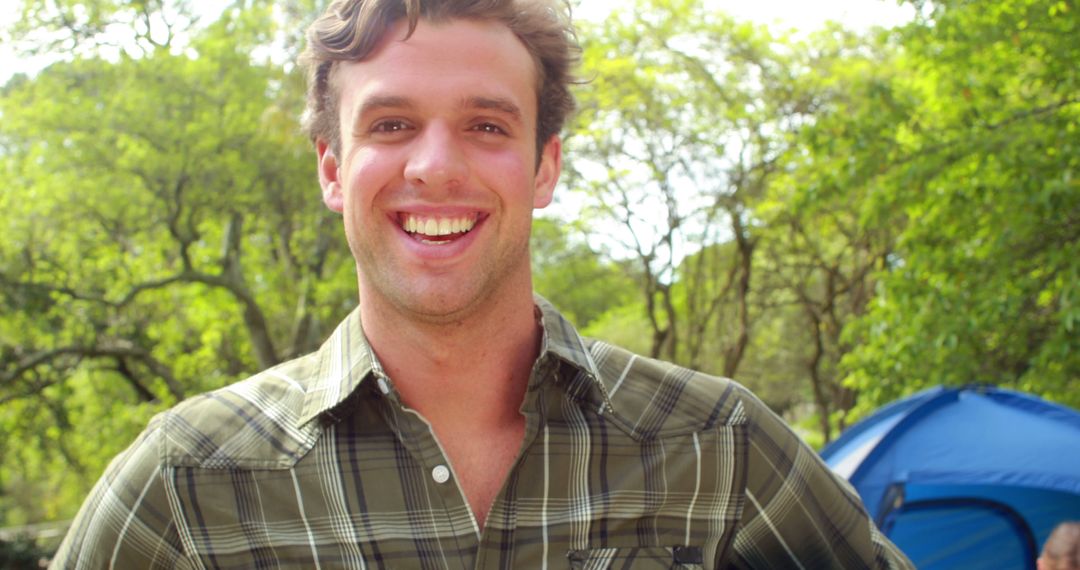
437,159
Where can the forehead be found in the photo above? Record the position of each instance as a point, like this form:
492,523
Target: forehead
457,59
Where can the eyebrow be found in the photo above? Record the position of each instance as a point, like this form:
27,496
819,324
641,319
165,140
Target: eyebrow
499,104
379,102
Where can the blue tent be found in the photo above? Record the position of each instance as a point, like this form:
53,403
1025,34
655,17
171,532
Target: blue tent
972,477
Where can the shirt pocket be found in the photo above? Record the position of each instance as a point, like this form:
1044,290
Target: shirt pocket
637,558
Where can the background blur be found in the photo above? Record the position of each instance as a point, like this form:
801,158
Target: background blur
835,215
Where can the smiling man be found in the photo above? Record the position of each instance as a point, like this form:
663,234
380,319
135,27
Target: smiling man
436,174
455,419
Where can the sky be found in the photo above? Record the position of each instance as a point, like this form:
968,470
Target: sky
803,15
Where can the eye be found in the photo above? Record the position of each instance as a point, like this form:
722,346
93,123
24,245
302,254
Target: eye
489,128
390,126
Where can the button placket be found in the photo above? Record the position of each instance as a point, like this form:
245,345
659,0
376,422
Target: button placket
428,451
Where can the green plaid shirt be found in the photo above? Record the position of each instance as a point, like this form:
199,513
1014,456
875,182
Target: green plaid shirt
627,463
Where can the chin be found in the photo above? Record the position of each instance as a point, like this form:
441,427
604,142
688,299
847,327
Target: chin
439,307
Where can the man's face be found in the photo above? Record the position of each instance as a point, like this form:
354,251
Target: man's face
437,177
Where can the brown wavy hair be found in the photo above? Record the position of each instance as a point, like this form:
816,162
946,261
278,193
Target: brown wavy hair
350,29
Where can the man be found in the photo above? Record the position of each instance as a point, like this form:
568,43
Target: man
1062,548
455,420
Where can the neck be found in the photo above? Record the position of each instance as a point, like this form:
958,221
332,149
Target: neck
472,368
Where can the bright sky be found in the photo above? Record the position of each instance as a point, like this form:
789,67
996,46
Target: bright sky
803,15
798,14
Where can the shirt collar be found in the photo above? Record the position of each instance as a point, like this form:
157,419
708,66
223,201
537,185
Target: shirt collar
561,339
346,359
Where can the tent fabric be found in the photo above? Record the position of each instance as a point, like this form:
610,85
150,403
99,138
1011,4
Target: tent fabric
964,531
944,467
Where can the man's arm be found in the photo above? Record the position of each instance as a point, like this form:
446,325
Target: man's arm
798,513
126,521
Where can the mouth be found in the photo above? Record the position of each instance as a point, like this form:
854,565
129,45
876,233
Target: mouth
436,230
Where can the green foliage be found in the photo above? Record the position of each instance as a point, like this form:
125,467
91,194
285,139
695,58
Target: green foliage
913,219
576,279
821,248
983,284
164,236
680,129
624,326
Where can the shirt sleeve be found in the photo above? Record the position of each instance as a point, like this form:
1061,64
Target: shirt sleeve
126,521
797,512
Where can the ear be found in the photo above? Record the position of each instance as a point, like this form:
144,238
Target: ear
329,177
547,173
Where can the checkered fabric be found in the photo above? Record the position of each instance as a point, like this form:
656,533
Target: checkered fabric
627,462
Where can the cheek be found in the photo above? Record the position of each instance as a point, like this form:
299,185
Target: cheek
510,171
365,174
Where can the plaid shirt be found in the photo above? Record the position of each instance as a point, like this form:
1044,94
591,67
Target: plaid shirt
627,462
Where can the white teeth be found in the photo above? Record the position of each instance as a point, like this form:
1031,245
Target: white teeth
434,227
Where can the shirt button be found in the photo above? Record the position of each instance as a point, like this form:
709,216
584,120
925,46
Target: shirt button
440,474
383,386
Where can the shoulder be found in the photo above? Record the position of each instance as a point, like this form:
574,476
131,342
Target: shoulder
131,488
254,423
654,398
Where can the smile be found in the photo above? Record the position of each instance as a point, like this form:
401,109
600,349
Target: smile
437,230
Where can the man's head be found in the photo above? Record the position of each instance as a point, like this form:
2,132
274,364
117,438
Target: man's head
436,135
349,30
1062,549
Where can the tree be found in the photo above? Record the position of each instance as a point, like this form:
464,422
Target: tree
164,236
682,124
984,283
581,282
821,252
